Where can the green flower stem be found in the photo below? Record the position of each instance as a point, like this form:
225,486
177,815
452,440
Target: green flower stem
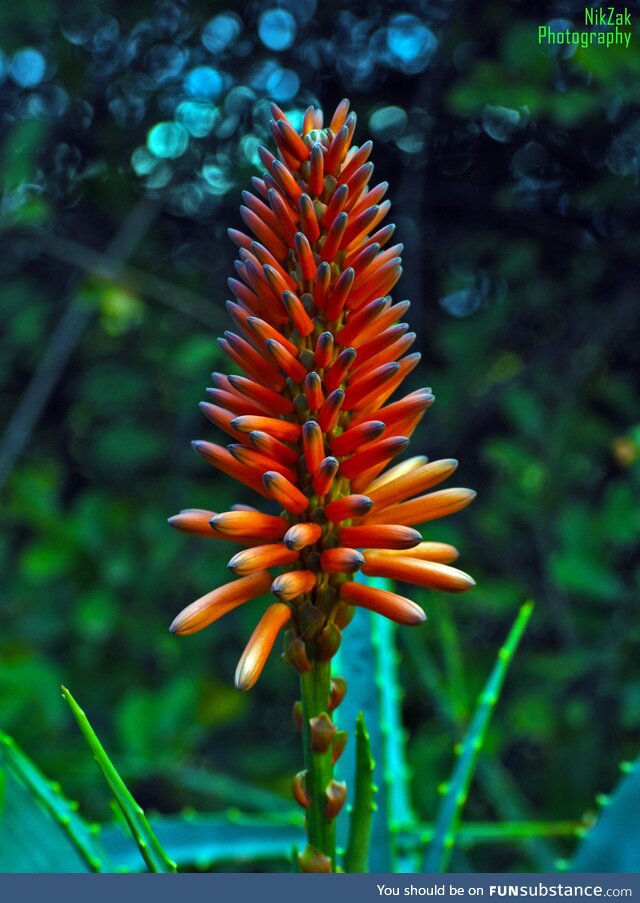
315,686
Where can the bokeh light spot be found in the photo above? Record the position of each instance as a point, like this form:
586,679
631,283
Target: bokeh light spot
27,67
218,182
198,117
410,43
168,140
221,32
500,123
388,123
623,157
277,29
462,303
283,84
143,162
204,82
166,61
303,10
249,145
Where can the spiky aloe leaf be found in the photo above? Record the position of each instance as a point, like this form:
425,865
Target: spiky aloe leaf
205,841
148,844
447,823
357,853
30,840
612,845
373,651
49,796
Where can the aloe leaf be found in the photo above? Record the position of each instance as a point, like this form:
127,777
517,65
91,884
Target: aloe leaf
148,844
612,844
204,841
48,794
358,666
30,840
373,688
396,771
357,854
447,823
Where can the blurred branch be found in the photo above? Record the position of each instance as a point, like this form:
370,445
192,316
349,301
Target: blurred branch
104,265
64,338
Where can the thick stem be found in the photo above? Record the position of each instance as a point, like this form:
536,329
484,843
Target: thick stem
315,689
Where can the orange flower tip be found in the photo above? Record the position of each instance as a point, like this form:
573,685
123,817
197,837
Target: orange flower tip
341,560
182,624
260,644
279,429
259,558
383,602
380,536
294,583
276,112
301,535
323,479
200,446
285,492
250,523
428,574
196,521
218,602
348,507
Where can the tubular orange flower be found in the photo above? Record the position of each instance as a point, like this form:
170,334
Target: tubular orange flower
260,645
314,427
323,348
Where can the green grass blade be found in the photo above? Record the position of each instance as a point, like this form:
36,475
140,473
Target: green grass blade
454,663
414,838
83,836
148,844
357,855
440,849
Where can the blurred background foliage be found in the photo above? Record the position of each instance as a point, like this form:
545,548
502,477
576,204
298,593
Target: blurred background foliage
127,136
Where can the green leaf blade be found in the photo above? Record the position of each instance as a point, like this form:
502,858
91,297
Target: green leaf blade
441,847
148,844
